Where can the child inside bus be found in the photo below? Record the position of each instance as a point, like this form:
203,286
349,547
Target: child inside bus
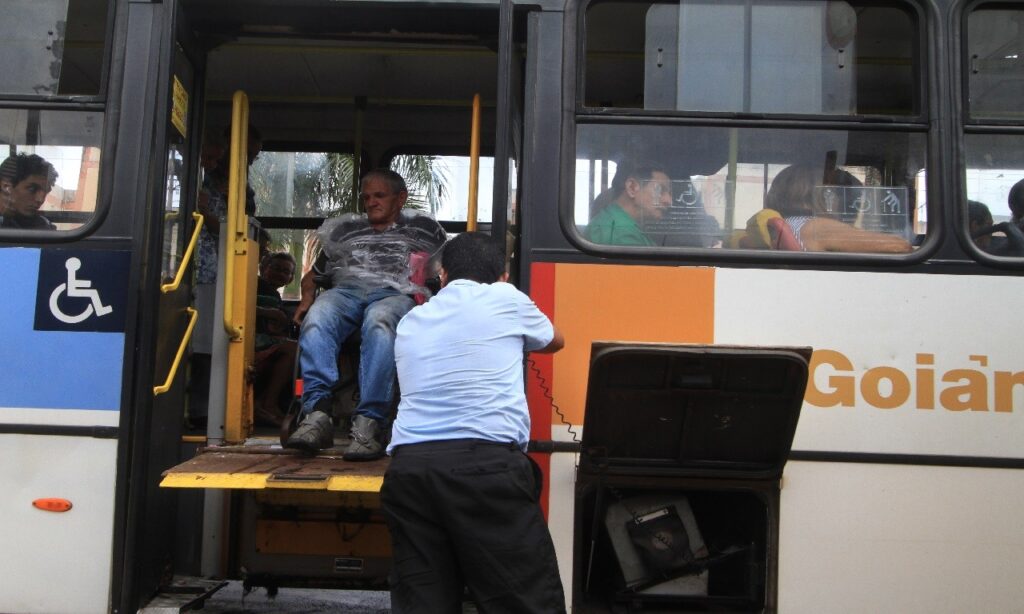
275,349
795,196
25,181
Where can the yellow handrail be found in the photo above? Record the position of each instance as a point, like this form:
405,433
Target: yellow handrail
236,219
474,165
193,316
171,287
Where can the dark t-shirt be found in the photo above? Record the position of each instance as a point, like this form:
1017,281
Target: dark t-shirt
31,222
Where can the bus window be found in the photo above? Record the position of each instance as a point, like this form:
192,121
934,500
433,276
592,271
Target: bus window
995,192
835,58
995,63
66,141
708,187
440,185
52,47
994,167
304,187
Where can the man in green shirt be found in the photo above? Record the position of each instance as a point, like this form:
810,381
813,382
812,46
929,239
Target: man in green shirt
641,192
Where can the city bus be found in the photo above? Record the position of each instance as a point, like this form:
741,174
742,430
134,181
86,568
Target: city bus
749,414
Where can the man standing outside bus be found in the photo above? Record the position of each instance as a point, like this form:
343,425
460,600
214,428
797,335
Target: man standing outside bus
460,497
372,261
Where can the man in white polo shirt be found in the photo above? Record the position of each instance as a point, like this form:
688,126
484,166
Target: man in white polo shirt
460,496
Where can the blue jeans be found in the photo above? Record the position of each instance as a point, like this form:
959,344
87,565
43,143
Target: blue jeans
335,315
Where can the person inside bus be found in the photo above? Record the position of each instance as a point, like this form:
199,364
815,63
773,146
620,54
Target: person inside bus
275,349
25,181
373,261
979,219
212,205
794,194
461,497
640,191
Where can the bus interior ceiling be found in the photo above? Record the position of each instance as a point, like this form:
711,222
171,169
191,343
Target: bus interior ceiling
320,74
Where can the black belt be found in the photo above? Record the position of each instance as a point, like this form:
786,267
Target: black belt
452,445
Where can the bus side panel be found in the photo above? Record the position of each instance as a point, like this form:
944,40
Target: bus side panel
900,538
903,363
56,561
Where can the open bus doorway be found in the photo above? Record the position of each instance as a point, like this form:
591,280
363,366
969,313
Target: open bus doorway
334,92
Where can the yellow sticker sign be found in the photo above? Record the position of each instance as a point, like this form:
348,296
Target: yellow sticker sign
179,107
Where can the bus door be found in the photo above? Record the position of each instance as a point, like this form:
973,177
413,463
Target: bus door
171,237
295,520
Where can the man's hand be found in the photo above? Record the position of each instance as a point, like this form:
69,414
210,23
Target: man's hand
307,287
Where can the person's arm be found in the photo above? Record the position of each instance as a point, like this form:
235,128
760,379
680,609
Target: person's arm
210,220
307,288
557,342
825,235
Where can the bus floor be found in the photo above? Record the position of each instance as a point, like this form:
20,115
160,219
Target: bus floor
233,599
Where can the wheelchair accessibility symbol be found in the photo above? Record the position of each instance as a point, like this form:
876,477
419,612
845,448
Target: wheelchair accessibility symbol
77,288
82,290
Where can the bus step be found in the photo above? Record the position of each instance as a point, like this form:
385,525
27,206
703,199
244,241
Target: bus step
183,594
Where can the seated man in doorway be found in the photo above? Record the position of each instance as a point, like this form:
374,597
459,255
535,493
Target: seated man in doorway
370,260
640,191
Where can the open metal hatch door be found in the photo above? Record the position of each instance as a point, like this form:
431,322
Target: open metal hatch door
693,410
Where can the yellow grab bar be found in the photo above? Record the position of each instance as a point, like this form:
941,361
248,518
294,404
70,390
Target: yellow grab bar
193,316
236,222
171,287
474,165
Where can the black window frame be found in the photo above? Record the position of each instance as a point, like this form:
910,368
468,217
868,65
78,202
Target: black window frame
968,125
928,46
109,88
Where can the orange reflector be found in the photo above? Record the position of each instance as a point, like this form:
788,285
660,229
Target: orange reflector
52,504
298,387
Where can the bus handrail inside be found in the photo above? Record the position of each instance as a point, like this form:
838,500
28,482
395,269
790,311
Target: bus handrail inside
193,316
171,287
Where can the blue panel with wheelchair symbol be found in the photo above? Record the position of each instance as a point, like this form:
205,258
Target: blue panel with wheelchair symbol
54,364
82,290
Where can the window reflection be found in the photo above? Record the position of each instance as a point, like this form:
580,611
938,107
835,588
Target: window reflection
995,57
52,47
835,57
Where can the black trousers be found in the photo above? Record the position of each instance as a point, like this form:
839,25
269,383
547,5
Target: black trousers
465,513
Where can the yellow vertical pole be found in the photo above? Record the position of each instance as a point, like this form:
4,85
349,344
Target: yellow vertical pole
474,166
239,282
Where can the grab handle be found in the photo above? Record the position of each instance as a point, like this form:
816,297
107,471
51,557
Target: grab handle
193,316
171,287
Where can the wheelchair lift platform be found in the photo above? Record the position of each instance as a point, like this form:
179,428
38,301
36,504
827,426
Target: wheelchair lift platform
262,464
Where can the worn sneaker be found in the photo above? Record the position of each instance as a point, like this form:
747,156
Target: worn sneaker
365,445
315,433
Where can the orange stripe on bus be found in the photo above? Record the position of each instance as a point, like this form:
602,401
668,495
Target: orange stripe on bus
596,302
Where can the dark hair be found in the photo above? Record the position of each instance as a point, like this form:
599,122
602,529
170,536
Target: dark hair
393,179
18,168
474,256
978,213
269,258
1015,199
637,169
